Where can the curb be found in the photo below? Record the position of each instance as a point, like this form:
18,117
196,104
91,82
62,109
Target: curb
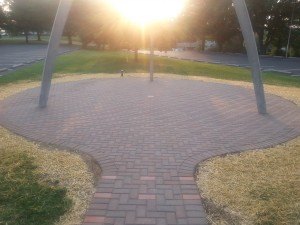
17,65
279,71
3,70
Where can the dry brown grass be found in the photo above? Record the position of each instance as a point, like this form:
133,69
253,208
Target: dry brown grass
73,173
254,187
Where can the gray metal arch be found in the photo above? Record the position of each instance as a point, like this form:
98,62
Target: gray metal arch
246,27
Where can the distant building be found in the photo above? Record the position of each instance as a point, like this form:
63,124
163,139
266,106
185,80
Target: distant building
188,45
3,33
181,46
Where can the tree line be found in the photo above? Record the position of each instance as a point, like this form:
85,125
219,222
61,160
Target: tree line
275,23
271,20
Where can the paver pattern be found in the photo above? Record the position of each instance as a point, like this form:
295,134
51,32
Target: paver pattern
148,138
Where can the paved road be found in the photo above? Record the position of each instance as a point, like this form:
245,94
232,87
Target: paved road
148,138
15,56
289,66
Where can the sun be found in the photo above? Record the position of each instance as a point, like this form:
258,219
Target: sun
148,11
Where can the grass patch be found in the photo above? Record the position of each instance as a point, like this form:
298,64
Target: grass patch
41,186
30,73
254,187
87,62
25,196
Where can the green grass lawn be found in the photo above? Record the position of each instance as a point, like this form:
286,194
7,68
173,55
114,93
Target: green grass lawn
4,40
20,40
25,196
88,61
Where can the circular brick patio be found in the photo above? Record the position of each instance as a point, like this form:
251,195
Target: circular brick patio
148,137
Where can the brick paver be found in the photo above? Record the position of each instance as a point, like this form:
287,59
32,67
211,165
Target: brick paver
148,138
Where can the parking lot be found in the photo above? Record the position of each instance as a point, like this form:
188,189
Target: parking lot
15,56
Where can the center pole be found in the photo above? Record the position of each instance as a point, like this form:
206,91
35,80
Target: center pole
151,66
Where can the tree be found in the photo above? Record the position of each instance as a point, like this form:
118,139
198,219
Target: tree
20,16
212,18
70,28
217,20
2,18
3,15
260,14
194,21
132,37
223,24
279,23
43,17
166,34
294,25
91,20
32,16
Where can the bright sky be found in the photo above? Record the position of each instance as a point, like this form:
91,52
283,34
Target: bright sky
147,11
1,3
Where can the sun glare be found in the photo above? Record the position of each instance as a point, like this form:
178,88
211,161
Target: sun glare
147,11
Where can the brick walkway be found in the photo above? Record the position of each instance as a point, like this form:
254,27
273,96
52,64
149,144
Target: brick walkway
148,138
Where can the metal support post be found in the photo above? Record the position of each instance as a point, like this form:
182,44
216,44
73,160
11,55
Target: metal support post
57,30
151,66
251,47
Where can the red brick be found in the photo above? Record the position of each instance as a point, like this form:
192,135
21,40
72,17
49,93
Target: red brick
147,197
191,197
141,221
180,212
102,195
171,218
109,177
98,206
186,178
148,178
94,219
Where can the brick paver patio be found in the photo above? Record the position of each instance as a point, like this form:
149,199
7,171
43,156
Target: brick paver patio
148,138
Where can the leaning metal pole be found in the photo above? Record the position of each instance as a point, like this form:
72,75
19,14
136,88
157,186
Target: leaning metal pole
57,30
251,47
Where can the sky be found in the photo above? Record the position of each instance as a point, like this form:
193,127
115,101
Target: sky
1,3
147,11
